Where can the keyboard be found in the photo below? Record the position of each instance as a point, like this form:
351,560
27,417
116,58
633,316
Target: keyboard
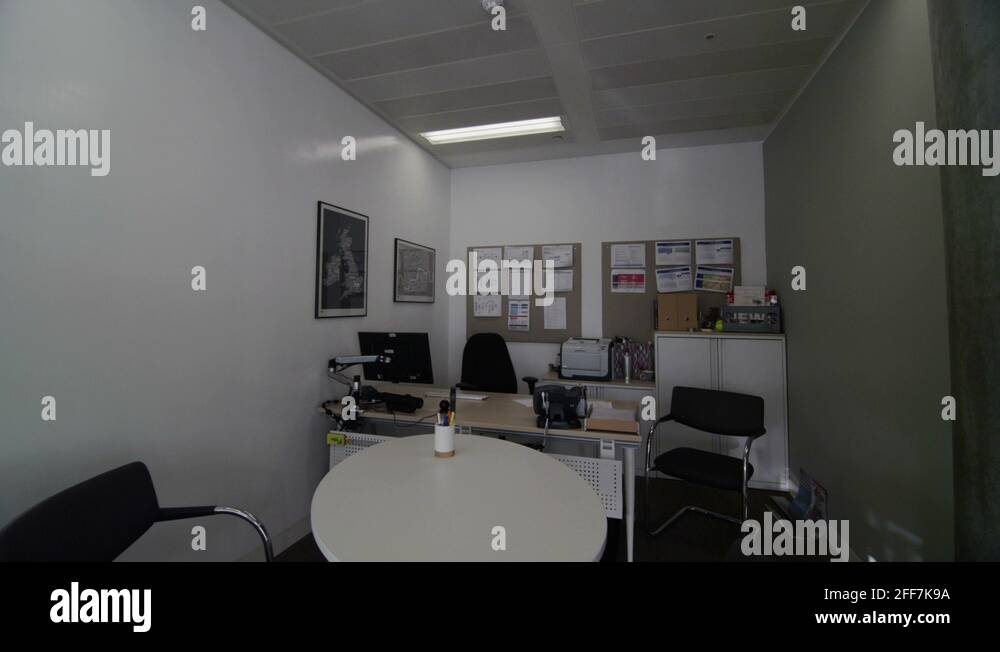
462,396
401,402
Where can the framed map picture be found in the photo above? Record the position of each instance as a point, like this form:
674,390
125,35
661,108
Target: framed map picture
341,263
414,273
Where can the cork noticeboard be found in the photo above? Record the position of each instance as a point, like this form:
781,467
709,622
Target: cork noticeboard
536,314
632,314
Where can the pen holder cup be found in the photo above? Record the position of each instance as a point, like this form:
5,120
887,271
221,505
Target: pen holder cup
444,441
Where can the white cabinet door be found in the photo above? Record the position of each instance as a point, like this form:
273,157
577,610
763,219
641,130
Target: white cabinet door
757,367
690,362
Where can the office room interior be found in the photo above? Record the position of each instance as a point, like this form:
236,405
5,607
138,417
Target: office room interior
254,256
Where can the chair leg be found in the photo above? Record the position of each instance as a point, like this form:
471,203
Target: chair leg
690,508
745,500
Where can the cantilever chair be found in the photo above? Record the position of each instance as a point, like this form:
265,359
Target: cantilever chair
98,519
486,366
720,413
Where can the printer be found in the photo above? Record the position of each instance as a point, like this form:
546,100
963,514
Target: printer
586,358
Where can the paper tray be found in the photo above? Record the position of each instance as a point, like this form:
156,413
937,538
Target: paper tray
613,425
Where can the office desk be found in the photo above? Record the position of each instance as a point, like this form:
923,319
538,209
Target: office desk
641,387
612,390
397,502
500,414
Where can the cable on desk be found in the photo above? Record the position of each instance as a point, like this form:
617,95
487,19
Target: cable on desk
409,424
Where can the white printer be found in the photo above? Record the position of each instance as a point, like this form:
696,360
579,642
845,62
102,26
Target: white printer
586,358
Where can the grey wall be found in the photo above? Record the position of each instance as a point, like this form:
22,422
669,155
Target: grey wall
868,340
966,40
222,143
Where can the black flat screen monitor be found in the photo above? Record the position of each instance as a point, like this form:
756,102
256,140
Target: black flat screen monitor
409,353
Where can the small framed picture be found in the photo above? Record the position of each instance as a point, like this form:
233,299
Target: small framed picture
413,273
341,262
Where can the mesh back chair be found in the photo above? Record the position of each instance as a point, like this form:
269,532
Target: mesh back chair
719,413
486,366
98,519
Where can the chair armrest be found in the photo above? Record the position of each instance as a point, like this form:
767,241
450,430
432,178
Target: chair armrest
652,435
178,513
531,381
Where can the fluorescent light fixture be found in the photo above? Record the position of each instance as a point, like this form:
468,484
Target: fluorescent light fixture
499,130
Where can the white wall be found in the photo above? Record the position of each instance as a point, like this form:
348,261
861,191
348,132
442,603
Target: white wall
692,192
222,143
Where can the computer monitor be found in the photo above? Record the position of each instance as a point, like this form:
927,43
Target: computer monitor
409,353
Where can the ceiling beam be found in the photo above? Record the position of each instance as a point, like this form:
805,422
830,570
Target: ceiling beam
555,26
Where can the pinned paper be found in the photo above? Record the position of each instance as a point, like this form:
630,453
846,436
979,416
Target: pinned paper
492,254
563,280
486,306
518,315
714,252
519,253
628,255
673,252
628,281
555,315
560,255
713,279
676,279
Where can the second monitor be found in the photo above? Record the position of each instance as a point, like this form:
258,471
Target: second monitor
409,354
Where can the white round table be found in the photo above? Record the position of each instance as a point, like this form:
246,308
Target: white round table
396,501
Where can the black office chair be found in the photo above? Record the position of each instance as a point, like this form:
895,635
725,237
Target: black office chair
720,413
486,366
99,518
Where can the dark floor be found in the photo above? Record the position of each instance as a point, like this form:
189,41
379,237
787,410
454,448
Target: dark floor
692,538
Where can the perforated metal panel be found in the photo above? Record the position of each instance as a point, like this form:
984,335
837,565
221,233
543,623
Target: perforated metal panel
603,475
345,444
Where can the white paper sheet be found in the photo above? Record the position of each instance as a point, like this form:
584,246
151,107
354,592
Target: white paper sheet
628,255
713,279
675,279
749,295
560,255
525,277
673,252
519,253
524,284
628,281
486,306
714,252
555,315
564,280
518,315
489,253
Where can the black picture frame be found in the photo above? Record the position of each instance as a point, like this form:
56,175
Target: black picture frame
417,284
341,262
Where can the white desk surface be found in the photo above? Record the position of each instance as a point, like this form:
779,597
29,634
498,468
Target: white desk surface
500,412
396,501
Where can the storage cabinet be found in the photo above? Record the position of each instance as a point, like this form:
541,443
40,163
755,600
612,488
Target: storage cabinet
733,362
